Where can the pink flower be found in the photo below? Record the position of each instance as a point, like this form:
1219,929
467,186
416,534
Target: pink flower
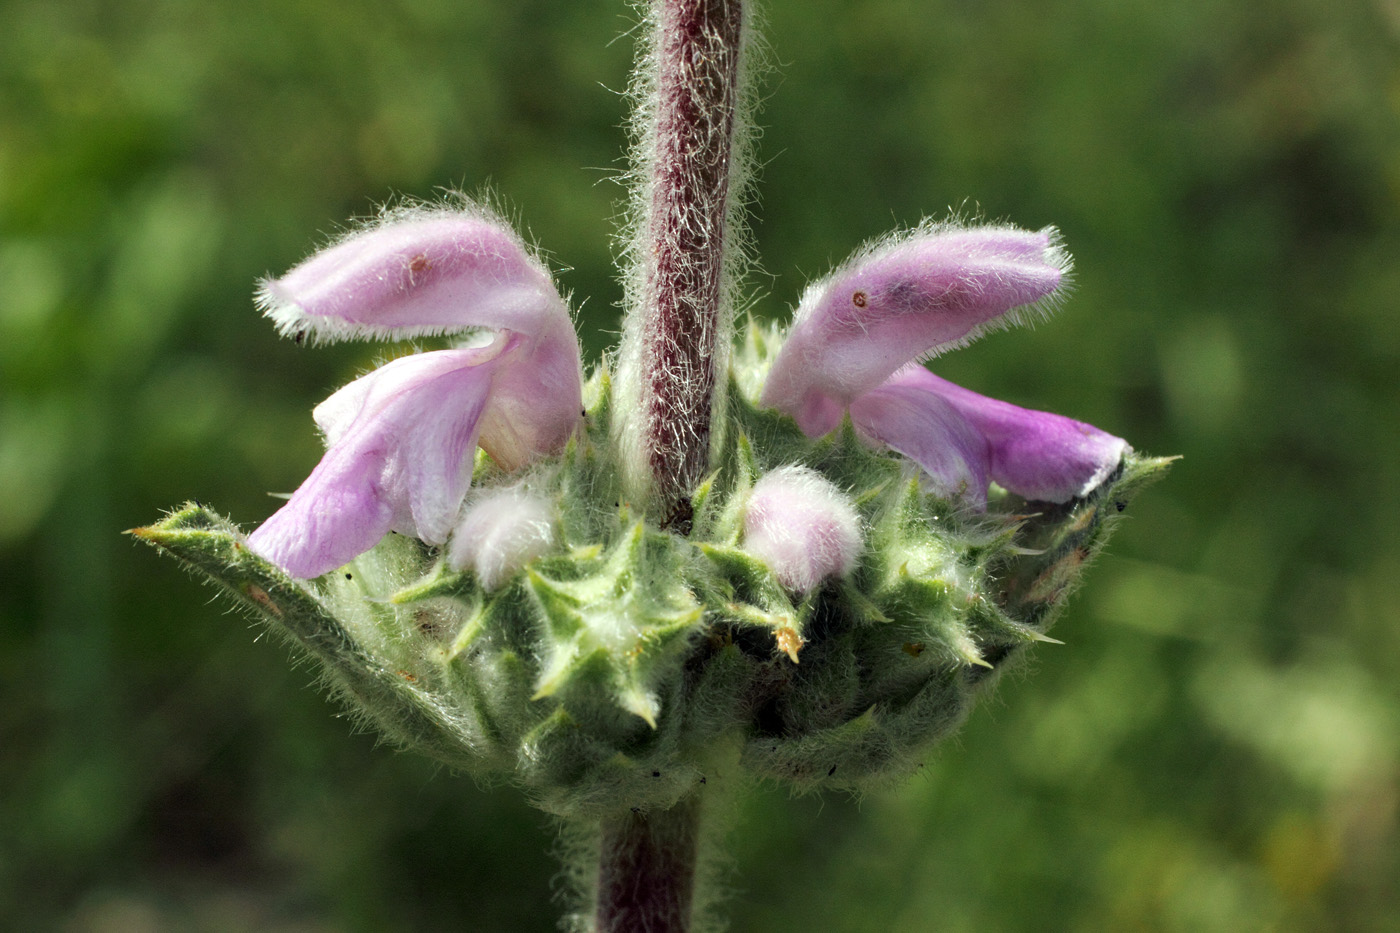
401,439
858,331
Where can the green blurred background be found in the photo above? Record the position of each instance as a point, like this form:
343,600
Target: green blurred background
1217,747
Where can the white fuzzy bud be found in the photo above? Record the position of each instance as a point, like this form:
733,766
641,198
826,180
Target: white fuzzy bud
501,532
803,527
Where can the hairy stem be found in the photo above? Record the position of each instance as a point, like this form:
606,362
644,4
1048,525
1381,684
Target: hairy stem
646,870
697,51
678,342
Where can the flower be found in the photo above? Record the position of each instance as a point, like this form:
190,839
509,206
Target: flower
859,333
401,440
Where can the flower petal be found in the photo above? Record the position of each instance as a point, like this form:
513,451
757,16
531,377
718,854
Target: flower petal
338,513
401,459
417,272
929,431
1035,454
802,526
536,400
336,414
903,299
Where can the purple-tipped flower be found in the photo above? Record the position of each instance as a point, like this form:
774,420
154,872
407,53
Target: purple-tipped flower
401,440
857,332
803,527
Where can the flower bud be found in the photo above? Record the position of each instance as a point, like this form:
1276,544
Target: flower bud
501,532
803,527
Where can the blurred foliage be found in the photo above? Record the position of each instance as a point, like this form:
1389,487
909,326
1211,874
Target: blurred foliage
1216,748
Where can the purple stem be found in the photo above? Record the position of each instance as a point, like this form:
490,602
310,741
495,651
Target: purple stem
646,873
647,861
697,50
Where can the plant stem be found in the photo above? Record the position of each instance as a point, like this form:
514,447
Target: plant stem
697,51
647,860
646,870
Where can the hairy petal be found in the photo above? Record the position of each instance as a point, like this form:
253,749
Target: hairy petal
803,527
905,299
1035,454
400,459
417,272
